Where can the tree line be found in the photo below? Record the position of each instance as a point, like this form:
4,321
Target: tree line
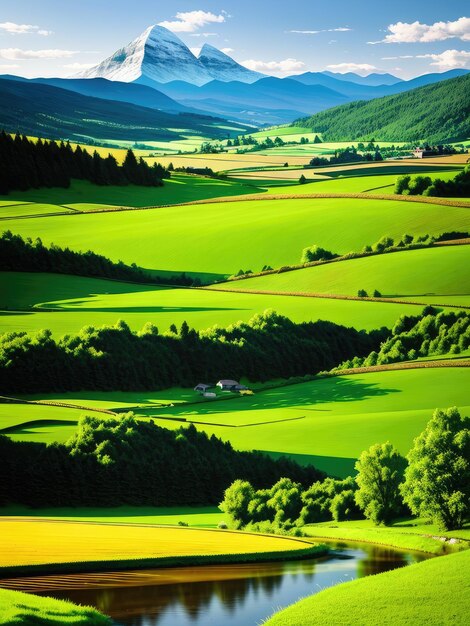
431,334
112,462
435,113
432,481
26,164
24,255
115,358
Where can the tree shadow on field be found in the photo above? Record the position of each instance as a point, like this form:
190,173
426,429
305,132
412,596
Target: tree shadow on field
304,397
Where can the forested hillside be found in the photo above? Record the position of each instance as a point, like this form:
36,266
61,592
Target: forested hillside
435,113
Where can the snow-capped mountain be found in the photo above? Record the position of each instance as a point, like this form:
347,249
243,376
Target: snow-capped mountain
158,55
222,67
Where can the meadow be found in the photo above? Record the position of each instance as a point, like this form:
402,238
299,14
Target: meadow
327,422
416,593
83,195
242,234
65,304
438,272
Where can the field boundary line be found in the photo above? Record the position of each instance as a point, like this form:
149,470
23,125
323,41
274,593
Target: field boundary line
63,405
303,294
407,365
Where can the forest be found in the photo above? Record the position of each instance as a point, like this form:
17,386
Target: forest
115,358
436,113
26,164
112,462
412,337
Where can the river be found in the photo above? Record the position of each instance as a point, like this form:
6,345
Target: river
219,595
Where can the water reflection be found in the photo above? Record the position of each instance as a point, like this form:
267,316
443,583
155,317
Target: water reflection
232,595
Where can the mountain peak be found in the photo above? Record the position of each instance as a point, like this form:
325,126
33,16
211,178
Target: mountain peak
223,68
158,55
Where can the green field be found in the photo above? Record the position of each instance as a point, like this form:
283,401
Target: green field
83,195
433,592
73,302
32,422
434,272
24,608
327,422
222,238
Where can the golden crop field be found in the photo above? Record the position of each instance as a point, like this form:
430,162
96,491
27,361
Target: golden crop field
32,541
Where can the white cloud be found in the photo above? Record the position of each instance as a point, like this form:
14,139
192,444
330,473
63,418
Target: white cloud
10,66
359,68
227,50
204,35
79,66
17,54
23,29
449,59
340,29
405,32
283,68
190,21
402,56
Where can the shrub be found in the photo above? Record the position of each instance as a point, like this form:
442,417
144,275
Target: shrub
316,253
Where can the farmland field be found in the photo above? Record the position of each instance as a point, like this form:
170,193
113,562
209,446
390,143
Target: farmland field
30,541
436,272
65,304
242,234
327,422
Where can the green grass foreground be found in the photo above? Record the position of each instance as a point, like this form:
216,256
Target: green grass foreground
25,609
434,592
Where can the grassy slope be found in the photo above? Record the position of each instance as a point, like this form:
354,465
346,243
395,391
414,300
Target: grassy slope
30,422
412,534
411,595
24,608
439,271
339,417
179,188
434,113
29,542
241,234
78,301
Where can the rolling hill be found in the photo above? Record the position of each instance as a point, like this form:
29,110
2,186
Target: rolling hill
435,113
47,111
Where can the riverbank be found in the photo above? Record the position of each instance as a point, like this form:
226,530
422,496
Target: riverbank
410,595
410,534
24,608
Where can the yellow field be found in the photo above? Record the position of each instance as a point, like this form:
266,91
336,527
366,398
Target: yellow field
30,541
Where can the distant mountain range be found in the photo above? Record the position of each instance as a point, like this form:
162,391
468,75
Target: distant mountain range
158,55
436,113
157,71
48,111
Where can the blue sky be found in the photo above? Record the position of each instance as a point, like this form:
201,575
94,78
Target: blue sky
406,38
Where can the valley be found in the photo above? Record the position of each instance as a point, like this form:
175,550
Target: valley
234,322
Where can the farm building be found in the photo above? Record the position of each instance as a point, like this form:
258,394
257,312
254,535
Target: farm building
227,385
202,387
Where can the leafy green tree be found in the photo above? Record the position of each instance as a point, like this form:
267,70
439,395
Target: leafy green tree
380,472
362,293
302,180
437,480
236,501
